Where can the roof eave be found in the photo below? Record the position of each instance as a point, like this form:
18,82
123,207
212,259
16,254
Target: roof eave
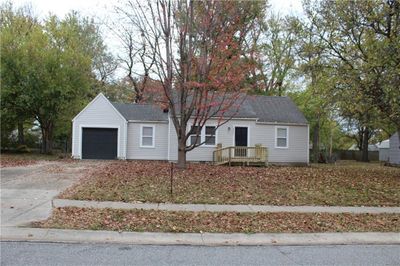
148,121
283,123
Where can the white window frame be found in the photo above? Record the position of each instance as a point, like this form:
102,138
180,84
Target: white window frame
276,137
202,136
153,136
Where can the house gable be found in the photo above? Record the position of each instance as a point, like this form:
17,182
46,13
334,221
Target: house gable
99,113
99,103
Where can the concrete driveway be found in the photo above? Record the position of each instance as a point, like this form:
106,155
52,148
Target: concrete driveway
26,192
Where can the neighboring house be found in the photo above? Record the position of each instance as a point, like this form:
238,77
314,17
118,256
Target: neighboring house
383,147
106,130
394,149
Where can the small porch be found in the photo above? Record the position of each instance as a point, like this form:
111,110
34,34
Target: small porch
240,155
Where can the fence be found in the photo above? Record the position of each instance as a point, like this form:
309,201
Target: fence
352,155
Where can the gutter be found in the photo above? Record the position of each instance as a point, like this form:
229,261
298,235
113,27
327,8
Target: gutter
147,121
282,123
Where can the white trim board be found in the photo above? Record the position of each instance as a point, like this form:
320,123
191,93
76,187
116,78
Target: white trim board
169,138
276,137
153,137
147,121
281,124
203,136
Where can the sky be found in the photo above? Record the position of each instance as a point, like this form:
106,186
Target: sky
103,8
99,7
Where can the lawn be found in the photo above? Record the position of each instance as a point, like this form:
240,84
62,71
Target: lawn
226,222
346,184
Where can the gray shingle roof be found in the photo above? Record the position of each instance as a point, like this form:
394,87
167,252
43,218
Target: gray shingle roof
141,112
276,109
263,108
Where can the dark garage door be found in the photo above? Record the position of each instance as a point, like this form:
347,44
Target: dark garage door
99,143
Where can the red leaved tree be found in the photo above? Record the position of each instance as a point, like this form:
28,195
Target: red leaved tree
199,50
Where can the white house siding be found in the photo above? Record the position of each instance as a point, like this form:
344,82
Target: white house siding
160,150
383,154
297,152
99,113
394,150
223,136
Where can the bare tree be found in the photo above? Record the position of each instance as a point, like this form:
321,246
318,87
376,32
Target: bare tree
137,59
197,52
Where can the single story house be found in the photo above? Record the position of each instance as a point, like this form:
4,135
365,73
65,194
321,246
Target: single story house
108,130
383,148
394,149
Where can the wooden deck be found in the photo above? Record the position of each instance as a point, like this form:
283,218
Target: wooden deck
257,155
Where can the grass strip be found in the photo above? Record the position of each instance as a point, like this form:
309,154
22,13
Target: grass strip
225,222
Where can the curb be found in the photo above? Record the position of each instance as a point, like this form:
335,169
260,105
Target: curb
59,203
200,239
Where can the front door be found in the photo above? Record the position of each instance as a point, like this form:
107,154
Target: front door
241,141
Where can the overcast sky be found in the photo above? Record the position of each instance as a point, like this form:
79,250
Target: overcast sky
99,7
104,8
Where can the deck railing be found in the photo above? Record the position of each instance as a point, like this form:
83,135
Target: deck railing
240,154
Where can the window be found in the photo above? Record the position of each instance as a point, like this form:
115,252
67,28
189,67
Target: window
210,135
147,133
193,135
207,135
281,137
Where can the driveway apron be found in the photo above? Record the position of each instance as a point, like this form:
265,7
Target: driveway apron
27,191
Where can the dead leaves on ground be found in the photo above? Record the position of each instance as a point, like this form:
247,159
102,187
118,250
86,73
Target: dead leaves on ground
144,181
12,162
226,222
25,159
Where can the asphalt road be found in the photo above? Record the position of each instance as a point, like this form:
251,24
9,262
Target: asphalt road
25,253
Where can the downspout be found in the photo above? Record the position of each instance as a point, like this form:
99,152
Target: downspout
73,154
126,139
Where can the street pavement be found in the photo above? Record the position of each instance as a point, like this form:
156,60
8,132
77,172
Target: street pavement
28,253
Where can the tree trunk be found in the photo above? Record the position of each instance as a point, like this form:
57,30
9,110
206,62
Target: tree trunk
47,138
315,149
181,154
364,150
21,136
359,138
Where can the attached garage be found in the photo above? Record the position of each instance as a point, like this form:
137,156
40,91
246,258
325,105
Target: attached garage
99,143
99,131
